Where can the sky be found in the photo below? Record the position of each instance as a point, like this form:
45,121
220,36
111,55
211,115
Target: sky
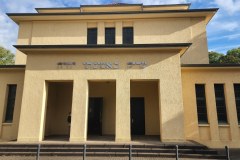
223,31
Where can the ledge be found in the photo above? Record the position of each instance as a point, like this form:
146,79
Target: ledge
12,66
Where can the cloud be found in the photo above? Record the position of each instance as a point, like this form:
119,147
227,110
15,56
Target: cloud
225,48
231,6
156,2
229,37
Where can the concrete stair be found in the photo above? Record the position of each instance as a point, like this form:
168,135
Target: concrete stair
164,150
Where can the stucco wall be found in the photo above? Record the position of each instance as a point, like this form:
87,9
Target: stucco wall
162,66
212,134
162,30
8,131
59,104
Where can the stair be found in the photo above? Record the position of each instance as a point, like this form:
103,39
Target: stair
110,150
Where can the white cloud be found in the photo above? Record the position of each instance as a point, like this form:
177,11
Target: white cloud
231,6
225,48
156,2
228,37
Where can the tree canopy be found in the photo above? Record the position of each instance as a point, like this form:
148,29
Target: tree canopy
6,57
232,57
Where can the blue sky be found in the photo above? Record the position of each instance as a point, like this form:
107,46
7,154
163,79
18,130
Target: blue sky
223,31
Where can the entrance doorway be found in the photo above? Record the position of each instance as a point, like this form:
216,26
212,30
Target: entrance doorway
95,116
59,104
101,110
137,116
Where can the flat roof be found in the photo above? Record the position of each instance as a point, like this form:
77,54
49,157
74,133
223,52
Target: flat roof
106,13
12,66
180,47
117,5
210,66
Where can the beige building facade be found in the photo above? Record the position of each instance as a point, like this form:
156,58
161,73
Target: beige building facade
122,71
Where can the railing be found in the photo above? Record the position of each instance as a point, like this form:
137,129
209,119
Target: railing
130,152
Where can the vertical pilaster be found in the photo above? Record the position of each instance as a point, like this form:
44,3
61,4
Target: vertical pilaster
123,128
101,33
118,32
212,112
231,111
171,110
79,111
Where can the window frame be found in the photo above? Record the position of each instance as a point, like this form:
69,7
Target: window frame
112,36
89,40
126,36
204,99
10,100
221,107
237,101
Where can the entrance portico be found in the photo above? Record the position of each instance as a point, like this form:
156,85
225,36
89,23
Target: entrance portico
134,72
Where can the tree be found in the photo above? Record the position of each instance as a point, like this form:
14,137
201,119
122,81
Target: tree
6,57
214,57
232,57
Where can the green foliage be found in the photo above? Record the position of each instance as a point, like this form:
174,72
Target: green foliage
232,57
6,57
214,57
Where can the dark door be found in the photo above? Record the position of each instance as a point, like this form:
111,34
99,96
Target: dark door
137,116
95,116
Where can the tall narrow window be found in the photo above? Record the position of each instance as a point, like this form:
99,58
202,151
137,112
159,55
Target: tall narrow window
201,103
128,35
109,35
10,103
220,103
237,99
92,36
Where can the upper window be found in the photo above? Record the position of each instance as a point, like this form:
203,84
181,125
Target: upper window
109,35
92,36
220,103
128,35
201,103
10,103
237,99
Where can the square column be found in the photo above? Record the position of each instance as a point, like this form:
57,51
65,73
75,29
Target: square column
79,111
212,111
123,128
232,111
171,110
33,109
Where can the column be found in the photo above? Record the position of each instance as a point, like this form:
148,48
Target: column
79,111
212,111
123,128
232,111
171,110
32,118
101,33
118,32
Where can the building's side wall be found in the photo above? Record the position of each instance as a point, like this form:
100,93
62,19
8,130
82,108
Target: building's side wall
163,30
8,131
212,134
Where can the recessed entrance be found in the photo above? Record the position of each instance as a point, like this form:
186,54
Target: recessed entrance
145,121
137,116
59,104
95,108
101,110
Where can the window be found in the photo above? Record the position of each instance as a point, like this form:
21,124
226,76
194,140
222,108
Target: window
237,99
220,103
128,35
92,36
10,103
109,35
201,103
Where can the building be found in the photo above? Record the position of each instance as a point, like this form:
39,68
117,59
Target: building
120,70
